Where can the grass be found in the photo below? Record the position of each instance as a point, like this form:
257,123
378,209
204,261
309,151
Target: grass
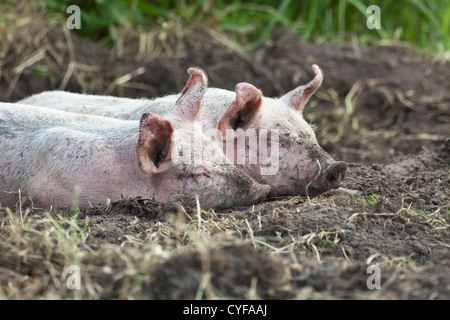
45,247
293,198
439,219
252,22
371,199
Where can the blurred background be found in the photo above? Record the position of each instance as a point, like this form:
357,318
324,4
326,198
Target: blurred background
385,93
423,24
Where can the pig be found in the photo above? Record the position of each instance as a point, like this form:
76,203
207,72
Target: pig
62,159
298,164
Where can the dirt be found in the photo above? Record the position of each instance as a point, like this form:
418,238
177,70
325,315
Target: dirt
385,110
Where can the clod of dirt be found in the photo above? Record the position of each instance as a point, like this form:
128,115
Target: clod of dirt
174,204
421,180
231,271
139,207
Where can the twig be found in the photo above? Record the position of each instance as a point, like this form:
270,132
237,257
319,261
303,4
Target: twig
29,61
123,79
71,66
20,207
199,216
250,231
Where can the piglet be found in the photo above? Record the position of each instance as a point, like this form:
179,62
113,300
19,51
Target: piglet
63,159
267,138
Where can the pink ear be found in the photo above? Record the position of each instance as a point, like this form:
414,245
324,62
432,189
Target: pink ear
298,97
154,146
189,103
242,111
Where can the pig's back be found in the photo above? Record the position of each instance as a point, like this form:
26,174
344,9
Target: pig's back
36,117
121,108
215,102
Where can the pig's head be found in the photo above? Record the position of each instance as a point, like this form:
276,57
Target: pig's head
181,160
298,165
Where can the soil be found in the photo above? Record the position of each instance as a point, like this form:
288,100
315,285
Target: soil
313,249
384,110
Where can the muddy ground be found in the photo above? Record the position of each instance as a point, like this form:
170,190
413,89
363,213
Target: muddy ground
385,110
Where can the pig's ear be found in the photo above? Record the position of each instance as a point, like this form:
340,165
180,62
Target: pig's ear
298,97
155,144
190,102
242,111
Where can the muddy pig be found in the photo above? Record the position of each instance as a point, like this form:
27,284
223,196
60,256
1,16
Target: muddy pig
246,125
62,158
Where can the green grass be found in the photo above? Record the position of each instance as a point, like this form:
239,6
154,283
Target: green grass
293,198
371,199
420,23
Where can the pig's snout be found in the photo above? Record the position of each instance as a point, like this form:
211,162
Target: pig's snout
335,174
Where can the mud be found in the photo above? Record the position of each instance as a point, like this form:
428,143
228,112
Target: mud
294,248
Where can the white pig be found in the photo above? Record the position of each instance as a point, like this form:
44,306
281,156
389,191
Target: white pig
62,158
301,165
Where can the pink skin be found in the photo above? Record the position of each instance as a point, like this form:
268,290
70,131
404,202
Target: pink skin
302,162
298,171
243,111
62,159
304,167
65,159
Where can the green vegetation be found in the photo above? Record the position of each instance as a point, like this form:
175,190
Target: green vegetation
423,24
437,219
371,199
293,198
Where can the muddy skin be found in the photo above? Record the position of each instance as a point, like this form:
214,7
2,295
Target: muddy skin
316,169
249,191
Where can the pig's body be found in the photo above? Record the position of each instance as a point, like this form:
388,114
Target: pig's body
302,166
215,103
54,155
62,159
132,109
